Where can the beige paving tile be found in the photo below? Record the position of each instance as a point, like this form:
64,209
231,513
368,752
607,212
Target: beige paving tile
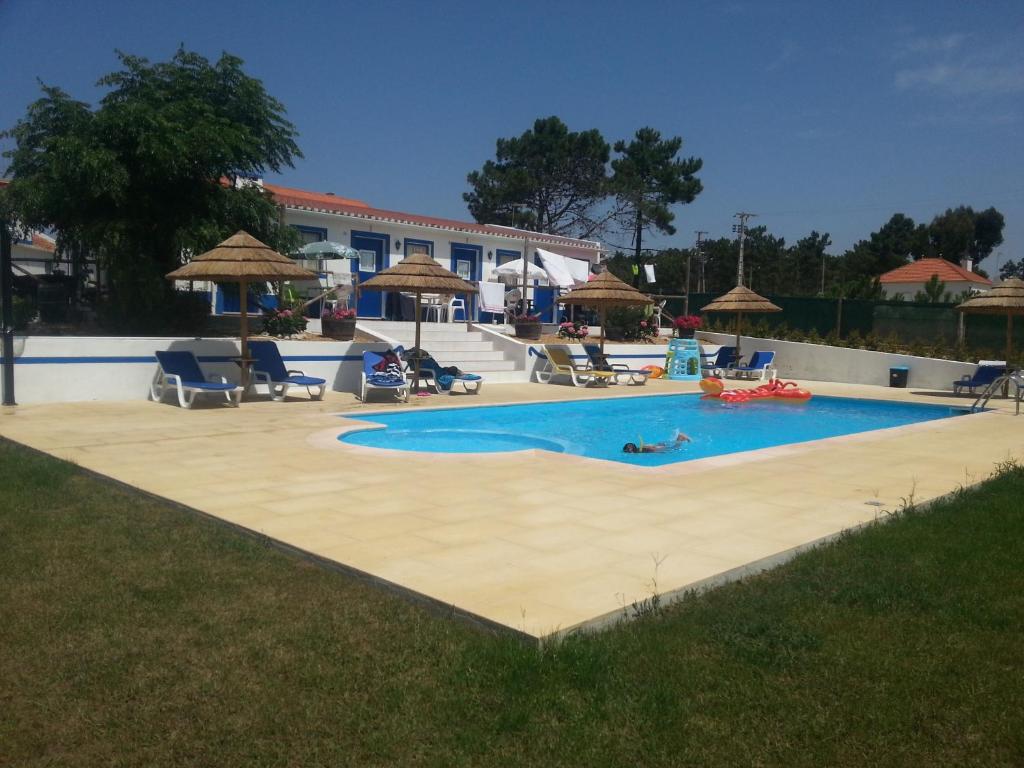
539,542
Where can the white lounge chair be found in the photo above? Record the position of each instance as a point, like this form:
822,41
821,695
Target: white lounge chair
179,371
559,363
373,379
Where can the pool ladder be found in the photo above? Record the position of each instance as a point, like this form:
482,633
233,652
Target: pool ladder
1016,378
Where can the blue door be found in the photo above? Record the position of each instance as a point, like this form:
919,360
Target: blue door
544,299
466,264
373,248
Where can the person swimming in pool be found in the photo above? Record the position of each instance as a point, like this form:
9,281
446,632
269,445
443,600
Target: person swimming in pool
667,445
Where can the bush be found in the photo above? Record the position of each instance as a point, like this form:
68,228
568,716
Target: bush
572,330
23,311
629,324
283,322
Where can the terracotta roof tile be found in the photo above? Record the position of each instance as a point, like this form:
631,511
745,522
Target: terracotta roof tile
921,271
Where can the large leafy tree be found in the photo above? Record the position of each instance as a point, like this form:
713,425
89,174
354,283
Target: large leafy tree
549,179
150,174
648,179
961,231
806,265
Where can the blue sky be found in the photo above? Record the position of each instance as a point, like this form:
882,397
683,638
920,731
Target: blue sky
815,115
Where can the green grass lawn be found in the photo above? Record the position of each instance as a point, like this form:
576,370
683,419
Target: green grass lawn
135,633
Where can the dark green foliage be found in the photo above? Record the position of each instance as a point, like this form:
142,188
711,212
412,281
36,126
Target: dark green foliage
549,179
934,292
23,310
149,175
137,634
960,232
647,179
630,324
1012,269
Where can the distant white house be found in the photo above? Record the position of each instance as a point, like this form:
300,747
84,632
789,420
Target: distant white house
907,281
383,238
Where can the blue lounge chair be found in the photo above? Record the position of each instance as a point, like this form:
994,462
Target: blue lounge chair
761,364
983,375
623,373
268,368
374,379
714,364
180,371
444,381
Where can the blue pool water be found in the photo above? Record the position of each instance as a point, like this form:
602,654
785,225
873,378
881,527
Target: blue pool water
599,428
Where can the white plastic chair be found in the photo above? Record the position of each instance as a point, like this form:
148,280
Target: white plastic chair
456,304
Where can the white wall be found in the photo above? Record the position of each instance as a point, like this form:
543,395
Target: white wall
339,228
633,355
909,290
819,362
69,369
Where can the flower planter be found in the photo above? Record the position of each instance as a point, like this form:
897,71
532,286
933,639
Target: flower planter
530,331
342,330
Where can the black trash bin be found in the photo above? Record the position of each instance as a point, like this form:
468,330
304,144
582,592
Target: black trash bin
898,376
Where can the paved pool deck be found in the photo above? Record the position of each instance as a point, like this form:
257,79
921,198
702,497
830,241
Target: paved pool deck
536,542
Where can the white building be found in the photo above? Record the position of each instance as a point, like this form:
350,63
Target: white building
907,281
385,237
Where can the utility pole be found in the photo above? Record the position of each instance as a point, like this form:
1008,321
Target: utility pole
699,248
7,318
741,230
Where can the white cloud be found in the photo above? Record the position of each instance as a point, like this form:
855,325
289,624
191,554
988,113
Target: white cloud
923,45
964,78
959,65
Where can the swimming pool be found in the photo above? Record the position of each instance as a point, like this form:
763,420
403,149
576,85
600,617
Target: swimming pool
599,428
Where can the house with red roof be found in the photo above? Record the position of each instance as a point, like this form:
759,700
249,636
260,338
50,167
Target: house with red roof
907,281
384,237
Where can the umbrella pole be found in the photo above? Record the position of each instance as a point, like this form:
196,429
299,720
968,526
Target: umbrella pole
416,360
243,293
604,332
739,319
1009,339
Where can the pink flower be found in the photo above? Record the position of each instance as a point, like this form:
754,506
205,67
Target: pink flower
643,323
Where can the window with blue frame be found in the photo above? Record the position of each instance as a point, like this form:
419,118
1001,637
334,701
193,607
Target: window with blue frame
310,234
413,245
504,256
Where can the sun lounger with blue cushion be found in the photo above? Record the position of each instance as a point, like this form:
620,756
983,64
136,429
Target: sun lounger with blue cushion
623,373
445,380
179,371
375,375
760,364
268,368
983,375
713,364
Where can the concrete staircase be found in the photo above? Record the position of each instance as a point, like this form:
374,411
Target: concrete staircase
450,344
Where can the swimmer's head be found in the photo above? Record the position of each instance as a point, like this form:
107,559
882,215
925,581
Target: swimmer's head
630,448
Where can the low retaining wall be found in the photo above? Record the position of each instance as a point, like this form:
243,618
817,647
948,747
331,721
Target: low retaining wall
820,362
53,369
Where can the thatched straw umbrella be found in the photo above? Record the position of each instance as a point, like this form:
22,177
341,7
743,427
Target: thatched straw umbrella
242,259
1005,299
603,291
741,301
419,274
